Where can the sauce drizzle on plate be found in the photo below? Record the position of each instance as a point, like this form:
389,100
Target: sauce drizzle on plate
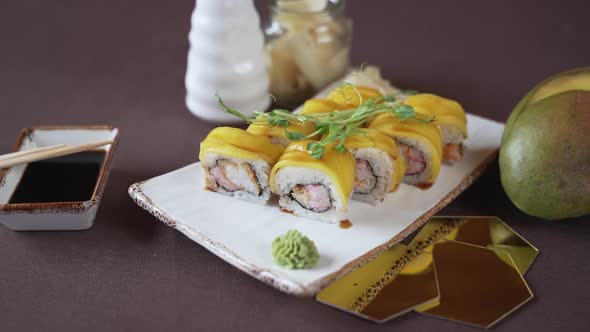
345,224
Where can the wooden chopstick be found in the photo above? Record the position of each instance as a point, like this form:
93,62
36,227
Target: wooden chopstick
48,152
26,152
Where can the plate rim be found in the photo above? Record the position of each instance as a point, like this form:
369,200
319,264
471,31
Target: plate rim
288,286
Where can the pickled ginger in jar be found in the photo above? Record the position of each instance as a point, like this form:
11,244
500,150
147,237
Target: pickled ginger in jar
308,46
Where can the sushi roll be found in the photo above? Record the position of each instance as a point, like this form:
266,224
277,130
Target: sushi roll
313,188
237,163
351,96
379,167
317,106
451,119
339,99
278,134
420,145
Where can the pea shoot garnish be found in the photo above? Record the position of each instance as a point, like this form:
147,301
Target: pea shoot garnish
336,126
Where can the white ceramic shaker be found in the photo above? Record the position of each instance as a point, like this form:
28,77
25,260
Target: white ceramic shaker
226,56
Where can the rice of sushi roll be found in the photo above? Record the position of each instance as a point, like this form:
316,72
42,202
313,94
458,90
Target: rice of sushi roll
379,168
420,145
313,188
237,163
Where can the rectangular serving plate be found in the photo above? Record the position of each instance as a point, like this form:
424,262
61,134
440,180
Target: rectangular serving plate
241,233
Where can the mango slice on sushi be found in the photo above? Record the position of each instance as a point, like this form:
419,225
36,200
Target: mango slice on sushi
314,188
278,134
451,119
351,96
420,145
317,106
379,166
237,163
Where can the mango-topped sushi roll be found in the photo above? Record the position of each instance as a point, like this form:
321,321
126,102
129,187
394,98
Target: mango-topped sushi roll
379,167
317,106
339,99
451,119
353,96
420,145
313,188
278,134
237,163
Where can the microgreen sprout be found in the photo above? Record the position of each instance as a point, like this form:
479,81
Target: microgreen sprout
334,127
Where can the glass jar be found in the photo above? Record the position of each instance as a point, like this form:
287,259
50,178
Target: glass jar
308,46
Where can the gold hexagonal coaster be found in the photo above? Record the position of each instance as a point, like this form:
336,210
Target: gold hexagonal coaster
415,286
478,286
493,233
488,232
405,277
387,287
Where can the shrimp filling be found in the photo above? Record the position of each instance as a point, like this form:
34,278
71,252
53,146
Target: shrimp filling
415,161
233,176
314,197
364,178
452,151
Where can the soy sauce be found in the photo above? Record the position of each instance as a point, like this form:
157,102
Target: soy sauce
345,224
70,178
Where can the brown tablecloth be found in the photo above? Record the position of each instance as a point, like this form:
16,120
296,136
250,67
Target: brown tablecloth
123,63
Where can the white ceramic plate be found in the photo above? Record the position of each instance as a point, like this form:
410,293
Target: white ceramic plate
241,233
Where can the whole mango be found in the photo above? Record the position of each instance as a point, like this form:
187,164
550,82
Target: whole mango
545,152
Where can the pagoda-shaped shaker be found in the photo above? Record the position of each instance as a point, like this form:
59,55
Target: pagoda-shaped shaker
226,56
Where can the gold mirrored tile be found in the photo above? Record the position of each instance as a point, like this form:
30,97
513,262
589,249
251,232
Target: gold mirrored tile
392,284
414,286
490,232
405,276
478,286
435,229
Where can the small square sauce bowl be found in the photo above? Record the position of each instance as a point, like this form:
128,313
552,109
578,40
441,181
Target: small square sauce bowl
61,193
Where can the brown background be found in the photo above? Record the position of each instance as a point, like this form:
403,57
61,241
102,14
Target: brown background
123,62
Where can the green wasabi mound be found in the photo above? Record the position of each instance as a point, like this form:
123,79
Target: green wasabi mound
294,250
